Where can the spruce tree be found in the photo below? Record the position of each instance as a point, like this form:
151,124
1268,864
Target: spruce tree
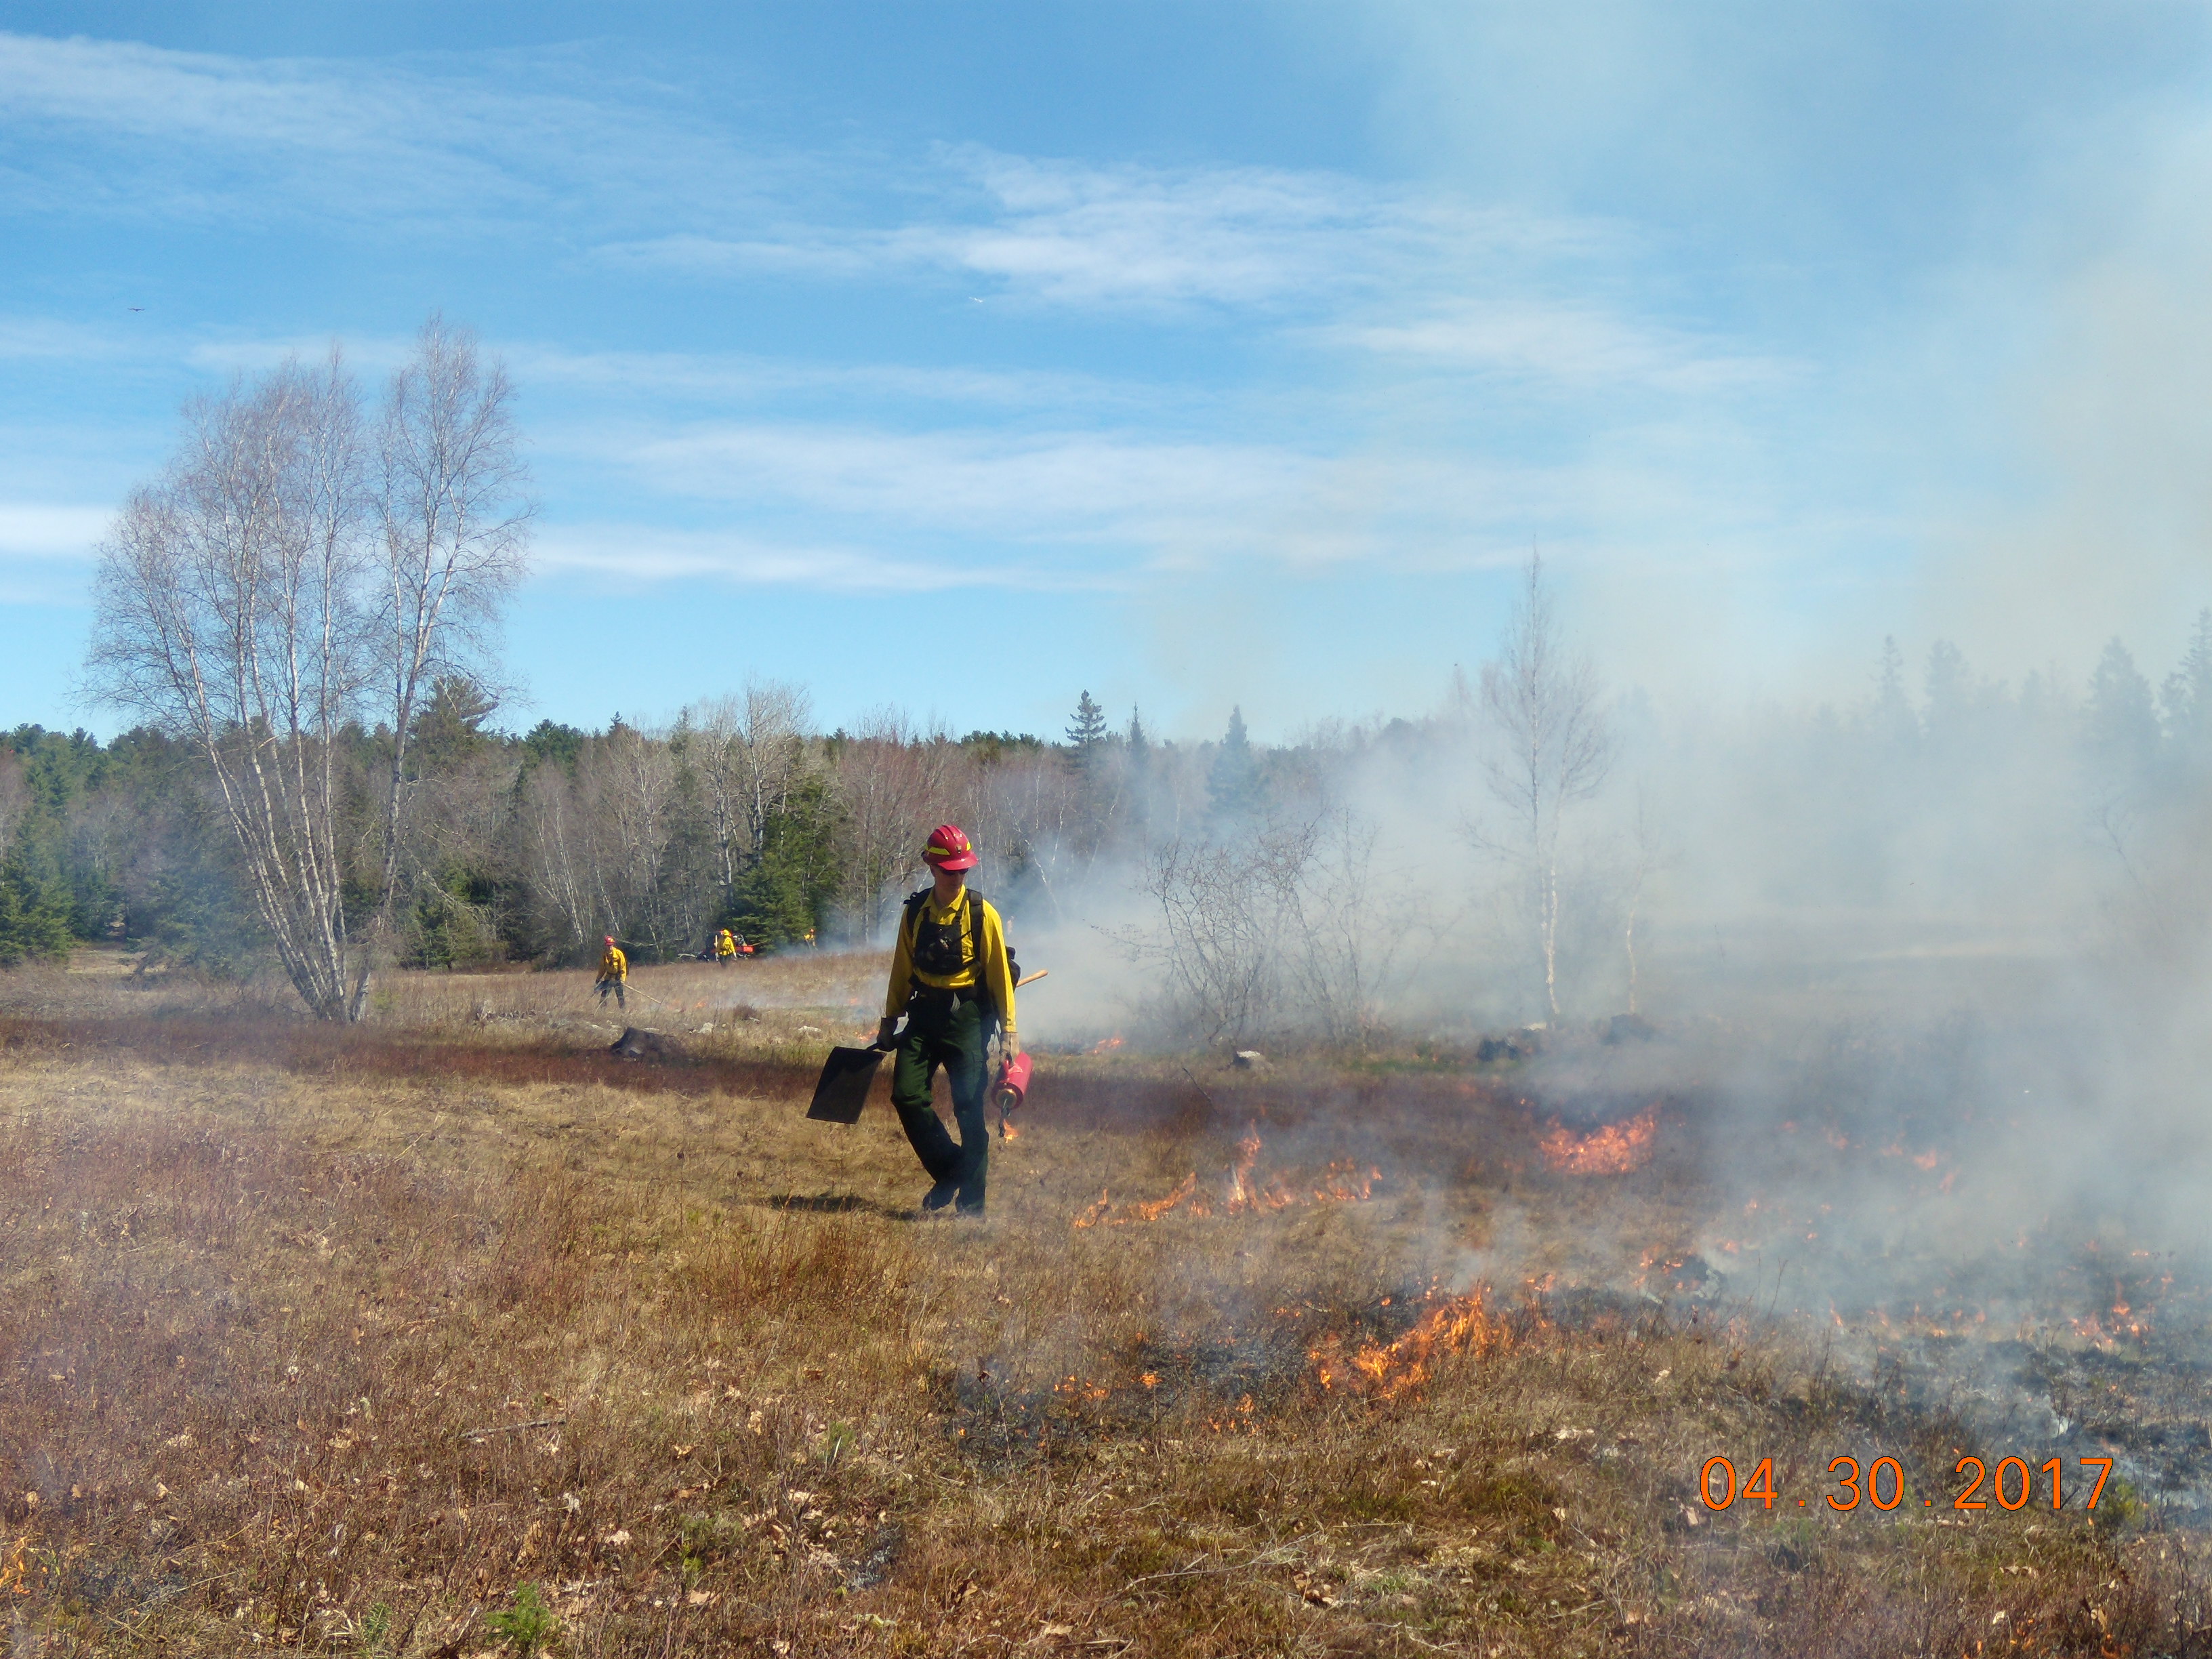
2119,725
1232,787
2186,697
1137,764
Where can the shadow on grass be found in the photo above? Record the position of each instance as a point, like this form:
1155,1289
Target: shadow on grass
835,1204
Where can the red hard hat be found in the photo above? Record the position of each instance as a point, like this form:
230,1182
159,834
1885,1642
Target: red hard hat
950,849
611,939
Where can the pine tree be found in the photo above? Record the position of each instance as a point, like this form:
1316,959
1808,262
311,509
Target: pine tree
1090,728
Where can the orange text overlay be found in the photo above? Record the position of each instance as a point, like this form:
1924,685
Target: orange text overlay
2012,1483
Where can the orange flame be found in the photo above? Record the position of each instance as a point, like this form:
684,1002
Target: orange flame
1617,1149
1385,1371
1345,1184
14,1572
1342,1182
1242,1195
2104,1331
1107,1045
1160,1206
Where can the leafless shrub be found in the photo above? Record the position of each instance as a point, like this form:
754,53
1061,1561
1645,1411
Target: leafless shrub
1282,931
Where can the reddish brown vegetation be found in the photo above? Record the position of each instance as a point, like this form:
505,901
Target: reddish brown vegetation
294,1362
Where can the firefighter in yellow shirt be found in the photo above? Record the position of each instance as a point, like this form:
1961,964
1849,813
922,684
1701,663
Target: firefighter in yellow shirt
614,974
726,948
953,979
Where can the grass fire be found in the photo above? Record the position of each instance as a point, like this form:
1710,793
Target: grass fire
454,1334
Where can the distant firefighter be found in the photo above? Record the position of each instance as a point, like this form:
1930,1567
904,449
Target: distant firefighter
614,974
726,948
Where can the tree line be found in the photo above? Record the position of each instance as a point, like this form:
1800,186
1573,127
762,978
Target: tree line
530,847
302,614
1248,878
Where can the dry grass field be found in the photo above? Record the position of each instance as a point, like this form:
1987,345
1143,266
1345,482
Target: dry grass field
453,1336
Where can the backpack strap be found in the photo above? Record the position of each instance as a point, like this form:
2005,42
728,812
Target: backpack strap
992,1015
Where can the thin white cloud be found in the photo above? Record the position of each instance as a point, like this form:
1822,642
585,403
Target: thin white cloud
1071,484
1062,233
38,529
708,377
1571,343
626,553
548,141
483,141
1000,508
736,377
51,339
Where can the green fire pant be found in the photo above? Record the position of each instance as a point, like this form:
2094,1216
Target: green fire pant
954,1037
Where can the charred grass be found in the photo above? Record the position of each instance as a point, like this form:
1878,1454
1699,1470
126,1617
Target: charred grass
341,1358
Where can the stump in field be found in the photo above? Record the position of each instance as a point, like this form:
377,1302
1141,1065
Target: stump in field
635,1044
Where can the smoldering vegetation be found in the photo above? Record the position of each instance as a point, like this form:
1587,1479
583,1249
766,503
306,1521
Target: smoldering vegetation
354,1360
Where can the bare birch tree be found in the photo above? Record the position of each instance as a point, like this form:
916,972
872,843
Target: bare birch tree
455,540
892,781
284,580
226,610
555,859
1553,751
749,752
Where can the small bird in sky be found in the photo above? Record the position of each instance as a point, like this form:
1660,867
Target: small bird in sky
137,307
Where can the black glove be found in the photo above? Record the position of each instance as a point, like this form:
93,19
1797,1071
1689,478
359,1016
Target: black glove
887,1032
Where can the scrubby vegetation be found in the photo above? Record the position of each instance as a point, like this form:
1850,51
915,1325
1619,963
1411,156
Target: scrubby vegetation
427,1339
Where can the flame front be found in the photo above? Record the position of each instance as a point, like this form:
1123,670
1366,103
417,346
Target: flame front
14,1572
1343,1181
1241,1193
1617,1149
1389,1371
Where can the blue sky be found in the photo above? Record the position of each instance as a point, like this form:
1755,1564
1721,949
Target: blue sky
967,356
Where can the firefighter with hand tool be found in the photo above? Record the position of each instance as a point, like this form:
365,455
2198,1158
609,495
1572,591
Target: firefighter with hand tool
953,978
614,974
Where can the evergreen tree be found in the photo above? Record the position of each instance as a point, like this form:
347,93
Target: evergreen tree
785,895
2120,725
34,912
1137,761
1894,722
547,741
1950,695
2186,697
450,727
1090,728
1232,787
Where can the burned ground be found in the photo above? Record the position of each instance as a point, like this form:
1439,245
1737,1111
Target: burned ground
338,1340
